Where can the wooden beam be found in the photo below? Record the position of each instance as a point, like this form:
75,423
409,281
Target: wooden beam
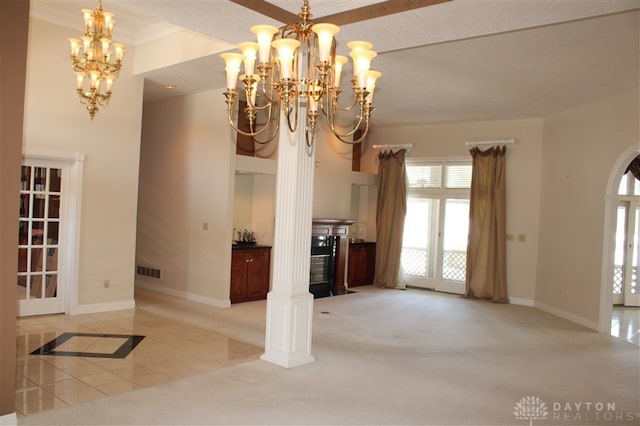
268,9
377,10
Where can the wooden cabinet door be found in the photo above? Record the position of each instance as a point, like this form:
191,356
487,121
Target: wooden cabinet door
258,267
250,274
362,263
238,291
357,265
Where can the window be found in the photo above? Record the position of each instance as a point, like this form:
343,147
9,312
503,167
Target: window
436,225
629,185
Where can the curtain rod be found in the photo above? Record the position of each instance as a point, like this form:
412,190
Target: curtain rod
393,146
498,142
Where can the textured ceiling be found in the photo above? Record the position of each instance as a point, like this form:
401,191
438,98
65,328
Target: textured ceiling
454,61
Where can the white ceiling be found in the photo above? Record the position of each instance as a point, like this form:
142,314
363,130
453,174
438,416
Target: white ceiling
456,61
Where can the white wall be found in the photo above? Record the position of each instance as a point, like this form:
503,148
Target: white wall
524,159
186,185
580,148
56,122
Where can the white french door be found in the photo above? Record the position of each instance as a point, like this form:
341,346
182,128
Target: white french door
626,283
434,252
434,244
43,207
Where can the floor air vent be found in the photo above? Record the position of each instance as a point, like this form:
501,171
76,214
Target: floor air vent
145,271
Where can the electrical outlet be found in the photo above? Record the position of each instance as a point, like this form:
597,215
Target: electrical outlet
106,283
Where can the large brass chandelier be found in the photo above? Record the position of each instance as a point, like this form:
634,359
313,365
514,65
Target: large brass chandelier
298,69
95,59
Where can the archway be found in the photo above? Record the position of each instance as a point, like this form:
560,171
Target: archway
611,202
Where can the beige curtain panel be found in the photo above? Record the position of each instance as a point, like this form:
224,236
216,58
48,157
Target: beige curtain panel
391,210
486,248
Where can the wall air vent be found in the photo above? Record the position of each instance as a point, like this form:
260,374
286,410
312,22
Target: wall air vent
146,271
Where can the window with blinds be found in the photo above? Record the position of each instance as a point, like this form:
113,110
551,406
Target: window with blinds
441,174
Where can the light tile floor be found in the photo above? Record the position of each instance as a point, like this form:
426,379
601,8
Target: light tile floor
625,323
171,350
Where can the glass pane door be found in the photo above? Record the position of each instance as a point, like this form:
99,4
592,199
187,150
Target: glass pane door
619,254
631,281
419,239
454,246
39,239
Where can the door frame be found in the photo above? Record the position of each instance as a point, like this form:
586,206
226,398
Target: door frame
610,215
71,229
633,208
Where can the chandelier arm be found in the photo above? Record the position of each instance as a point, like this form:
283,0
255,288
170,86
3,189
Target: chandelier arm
267,97
242,132
313,138
345,108
352,132
291,108
353,142
275,131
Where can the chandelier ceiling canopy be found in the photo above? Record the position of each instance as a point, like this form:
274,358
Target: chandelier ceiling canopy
298,70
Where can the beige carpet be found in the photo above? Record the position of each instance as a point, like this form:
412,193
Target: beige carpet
394,357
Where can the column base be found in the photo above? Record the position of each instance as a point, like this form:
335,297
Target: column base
288,330
9,420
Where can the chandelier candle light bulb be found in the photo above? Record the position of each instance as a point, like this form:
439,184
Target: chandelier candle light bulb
286,48
298,69
264,34
325,33
249,50
233,62
91,59
372,76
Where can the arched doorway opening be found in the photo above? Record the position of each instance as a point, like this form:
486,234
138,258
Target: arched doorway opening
612,259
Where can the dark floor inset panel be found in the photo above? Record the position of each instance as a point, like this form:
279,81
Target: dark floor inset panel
121,352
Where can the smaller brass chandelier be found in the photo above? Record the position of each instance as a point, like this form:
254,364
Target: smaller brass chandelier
92,57
298,68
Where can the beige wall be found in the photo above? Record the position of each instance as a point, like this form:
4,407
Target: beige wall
14,25
253,207
332,180
187,181
184,138
580,148
57,123
524,163
243,202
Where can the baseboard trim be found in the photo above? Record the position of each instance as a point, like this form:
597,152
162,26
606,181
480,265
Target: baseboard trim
93,308
9,420
217,303
593,325
521,301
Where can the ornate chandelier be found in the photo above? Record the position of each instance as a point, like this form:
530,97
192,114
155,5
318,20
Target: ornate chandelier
298,67
91,57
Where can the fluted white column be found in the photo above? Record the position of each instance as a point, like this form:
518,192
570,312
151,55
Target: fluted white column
289,303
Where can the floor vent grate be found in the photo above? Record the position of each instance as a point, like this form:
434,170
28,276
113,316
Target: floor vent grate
145,271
